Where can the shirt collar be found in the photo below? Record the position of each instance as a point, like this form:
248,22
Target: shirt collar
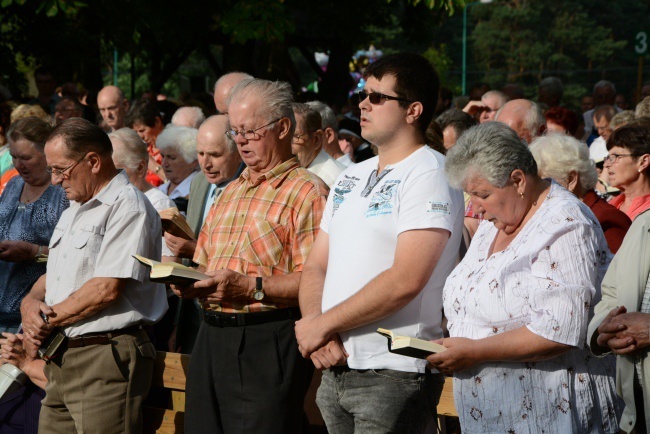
110,192
274,176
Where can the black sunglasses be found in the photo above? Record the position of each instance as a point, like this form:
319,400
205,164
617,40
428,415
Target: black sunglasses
376,97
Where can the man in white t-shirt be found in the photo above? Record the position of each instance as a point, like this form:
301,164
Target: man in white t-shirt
389,237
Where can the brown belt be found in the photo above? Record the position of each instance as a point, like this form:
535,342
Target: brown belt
102,338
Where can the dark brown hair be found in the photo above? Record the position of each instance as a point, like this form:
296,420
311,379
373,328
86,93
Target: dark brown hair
82,136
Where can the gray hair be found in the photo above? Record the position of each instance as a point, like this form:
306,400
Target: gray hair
326,114
623,118
192,114
491,150
643,108
501,97
133,151
533,118
182,139
310,117
276,97
557,155
604,83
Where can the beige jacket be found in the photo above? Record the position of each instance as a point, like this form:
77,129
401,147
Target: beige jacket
624,285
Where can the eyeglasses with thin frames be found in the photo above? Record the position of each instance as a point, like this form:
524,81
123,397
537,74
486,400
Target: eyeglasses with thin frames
376,97
613,158
297,137
60,173
249,134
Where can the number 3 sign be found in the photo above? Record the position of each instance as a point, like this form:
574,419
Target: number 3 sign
642,43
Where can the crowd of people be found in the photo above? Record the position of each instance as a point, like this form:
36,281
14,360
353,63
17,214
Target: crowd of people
513,232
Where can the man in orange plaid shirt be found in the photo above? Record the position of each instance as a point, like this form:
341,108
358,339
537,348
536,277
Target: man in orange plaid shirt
246,373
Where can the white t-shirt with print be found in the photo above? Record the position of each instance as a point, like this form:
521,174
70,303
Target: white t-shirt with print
363,228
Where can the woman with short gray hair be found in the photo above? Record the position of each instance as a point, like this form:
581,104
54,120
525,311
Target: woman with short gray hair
130,153
518,304
177,145
566,160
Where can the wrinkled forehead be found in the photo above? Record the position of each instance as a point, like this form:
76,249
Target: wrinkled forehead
246,110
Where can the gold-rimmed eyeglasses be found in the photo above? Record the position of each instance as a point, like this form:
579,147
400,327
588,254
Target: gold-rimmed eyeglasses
248,134
61,173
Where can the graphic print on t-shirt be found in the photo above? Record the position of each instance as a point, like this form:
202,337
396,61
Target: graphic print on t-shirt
382,201
345,186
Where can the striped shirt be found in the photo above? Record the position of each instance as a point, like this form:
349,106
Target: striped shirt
262,228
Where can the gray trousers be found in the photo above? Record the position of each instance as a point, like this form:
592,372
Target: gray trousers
377,401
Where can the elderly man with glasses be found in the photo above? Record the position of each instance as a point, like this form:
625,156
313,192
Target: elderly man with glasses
307,145
246,373
94,292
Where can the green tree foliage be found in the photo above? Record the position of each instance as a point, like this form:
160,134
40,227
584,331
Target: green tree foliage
581,41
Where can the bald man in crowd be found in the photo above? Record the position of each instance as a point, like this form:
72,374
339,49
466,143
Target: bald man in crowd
222,89
191,117
523,116
220,163
113,106
485,109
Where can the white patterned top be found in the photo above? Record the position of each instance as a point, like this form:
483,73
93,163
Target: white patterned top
547,280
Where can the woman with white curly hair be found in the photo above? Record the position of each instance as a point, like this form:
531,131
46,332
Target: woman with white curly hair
177,145
566,161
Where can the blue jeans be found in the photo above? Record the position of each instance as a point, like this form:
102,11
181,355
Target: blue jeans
377,401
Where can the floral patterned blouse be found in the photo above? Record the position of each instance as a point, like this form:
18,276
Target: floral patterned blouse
547,280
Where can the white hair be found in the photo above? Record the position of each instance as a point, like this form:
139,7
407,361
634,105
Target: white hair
133,150
275,96
501,97
557,155
189,116
643,108
181,139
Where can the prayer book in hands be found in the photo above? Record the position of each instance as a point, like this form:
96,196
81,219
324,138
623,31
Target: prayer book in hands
171,272
411,347
174,223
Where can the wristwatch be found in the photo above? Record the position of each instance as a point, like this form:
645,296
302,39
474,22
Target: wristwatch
259,291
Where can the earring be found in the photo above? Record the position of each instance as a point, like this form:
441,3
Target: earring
521,194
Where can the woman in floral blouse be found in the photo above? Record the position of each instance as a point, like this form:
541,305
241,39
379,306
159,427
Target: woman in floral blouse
519,303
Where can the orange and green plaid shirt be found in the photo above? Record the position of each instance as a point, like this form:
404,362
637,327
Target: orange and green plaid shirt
266,228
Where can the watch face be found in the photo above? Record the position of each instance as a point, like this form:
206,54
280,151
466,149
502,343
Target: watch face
258,295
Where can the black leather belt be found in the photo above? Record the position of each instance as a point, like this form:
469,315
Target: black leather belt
101,338
220,319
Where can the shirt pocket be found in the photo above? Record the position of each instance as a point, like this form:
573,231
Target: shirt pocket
264,244
56,238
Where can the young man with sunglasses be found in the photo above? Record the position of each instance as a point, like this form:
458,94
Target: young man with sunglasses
389,237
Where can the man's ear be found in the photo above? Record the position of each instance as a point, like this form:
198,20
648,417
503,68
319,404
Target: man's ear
414,111
95,162
285,127
319,137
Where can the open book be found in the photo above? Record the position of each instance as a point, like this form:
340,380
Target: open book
171,272
410,347
174,223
